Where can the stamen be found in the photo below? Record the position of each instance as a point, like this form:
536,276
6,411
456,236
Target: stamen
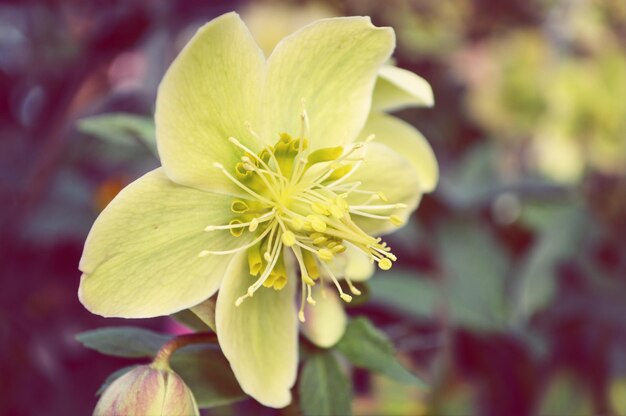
261,174
346,298
241,185
256,285
353,289
288,238
378,207
384,264
317,223
262,218
205,253
396,220
325,254
302,298
368,215
309,298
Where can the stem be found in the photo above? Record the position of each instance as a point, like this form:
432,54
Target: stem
162,358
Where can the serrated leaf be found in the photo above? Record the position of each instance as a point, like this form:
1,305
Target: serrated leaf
324,389
128,341
406,291
207,373
121,129
114,376
367,347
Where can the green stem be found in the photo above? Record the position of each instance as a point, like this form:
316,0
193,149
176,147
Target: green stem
162,358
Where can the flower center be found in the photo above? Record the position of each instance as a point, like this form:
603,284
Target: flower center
297,202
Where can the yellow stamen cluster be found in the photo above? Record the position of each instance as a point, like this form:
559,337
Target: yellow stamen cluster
297,202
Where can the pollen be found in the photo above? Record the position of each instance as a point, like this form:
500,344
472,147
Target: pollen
297,210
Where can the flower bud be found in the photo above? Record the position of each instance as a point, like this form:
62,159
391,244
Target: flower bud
146,391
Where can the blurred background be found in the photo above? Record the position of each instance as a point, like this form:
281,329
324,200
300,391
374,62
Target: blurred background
509,294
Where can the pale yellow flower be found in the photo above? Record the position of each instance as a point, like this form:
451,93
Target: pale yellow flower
273,170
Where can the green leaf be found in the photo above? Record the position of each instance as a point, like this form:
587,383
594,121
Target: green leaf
207,373
475,269
471,183
324,388
365,346
114,376
128,341
560,230
121,129
190,320
405,291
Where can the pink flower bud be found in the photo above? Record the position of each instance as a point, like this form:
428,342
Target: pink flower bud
147,391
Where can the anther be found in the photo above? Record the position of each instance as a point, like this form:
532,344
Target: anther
384,264
325,254
297,223
317,223
336,211
395,220
346,298
288,238
354,290
254,223
339,248
320,208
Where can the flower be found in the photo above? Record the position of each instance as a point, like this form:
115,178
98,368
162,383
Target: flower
147,390
272,174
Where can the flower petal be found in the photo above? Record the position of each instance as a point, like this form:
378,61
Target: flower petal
207,95
409,142
141,256
326,320
357,266
397,88
331,65
386,171
260,336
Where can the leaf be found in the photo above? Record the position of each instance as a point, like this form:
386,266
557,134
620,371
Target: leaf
560,230
324,389
189,319
207,373
114,376
128,341
367,347
471,183
475,270
205,311
121,129
406,291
